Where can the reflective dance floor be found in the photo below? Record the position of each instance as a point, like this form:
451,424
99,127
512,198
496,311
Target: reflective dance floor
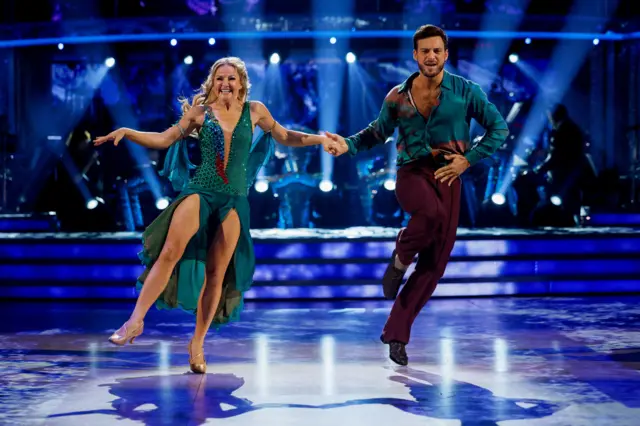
519,361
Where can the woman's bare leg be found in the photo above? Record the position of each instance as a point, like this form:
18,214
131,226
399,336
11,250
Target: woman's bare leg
184,224
218,258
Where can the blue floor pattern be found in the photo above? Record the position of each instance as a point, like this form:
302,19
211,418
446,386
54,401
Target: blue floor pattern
508,361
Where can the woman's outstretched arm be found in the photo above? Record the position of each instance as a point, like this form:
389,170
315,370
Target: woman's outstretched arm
282,135
157,140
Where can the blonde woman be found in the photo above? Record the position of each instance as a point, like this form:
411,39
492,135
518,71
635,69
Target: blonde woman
198,253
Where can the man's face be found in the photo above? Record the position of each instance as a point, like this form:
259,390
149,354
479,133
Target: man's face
431,56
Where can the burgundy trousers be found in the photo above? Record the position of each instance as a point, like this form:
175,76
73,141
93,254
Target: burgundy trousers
434,209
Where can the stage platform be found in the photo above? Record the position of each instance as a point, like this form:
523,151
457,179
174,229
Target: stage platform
472,362
344,264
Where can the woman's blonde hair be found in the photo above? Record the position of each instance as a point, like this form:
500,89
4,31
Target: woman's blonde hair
204,95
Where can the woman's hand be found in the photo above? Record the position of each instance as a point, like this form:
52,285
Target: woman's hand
115,136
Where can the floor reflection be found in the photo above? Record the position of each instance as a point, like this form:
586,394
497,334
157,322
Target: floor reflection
441,398
167,399
187,397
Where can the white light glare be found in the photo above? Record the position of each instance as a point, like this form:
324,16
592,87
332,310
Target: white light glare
555,200
326,185
162,203
498,199
261,186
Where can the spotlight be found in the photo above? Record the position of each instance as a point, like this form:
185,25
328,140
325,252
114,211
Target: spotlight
498,199
110,62
333,40
390,185
275,58
212,41
527,40
60,46
188,60
326,185
174,42
351,58
92,204
596,41
513,58
556,200
261,186
162,203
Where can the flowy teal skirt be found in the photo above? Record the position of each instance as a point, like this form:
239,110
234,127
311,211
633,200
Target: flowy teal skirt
187,278
186,281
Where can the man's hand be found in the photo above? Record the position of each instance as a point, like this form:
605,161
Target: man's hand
453,170
336,145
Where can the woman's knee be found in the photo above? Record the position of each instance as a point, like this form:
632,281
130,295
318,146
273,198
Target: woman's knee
214,279
171,252
210,270
215,271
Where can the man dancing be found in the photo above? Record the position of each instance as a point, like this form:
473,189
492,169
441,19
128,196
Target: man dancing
432,110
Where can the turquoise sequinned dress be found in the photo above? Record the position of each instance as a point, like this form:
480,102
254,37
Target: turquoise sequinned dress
221,190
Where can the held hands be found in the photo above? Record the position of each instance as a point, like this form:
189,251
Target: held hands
453,170
335,144
115,136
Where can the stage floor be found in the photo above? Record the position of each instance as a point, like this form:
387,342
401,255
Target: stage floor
516,361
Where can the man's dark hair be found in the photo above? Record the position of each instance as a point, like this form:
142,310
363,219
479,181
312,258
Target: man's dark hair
427,31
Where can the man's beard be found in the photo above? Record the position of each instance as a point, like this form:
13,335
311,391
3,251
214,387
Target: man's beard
429,71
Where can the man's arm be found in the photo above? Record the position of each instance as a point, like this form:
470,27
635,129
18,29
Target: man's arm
487,115
379,130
